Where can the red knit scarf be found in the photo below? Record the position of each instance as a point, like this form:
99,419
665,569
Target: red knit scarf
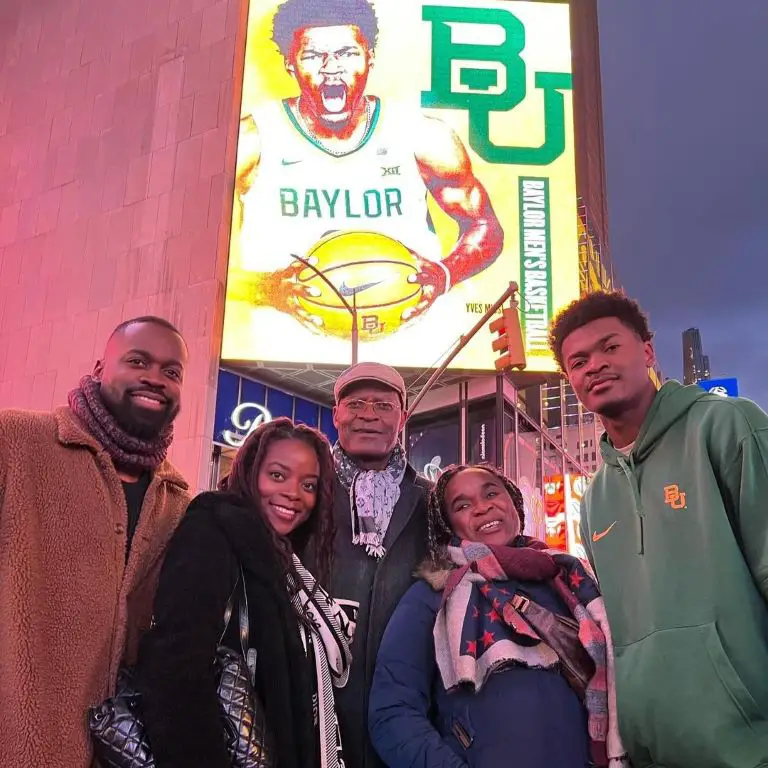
126,451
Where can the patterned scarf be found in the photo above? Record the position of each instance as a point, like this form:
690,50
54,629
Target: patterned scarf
478,630
327,645
125,450
372,497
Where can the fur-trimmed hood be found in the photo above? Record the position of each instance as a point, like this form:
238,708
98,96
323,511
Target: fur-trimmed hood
435,573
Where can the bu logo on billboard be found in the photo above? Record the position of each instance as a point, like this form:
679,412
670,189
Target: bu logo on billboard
485,77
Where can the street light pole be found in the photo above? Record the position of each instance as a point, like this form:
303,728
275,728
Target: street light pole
354,328
352,309
463,341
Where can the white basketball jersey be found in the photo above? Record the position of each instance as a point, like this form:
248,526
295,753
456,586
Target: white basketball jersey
302,192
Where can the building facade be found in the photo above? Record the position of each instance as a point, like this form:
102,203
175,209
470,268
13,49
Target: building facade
118,127
118,144
695,362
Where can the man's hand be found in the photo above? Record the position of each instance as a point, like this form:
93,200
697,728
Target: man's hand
434,280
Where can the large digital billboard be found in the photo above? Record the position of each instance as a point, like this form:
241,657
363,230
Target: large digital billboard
406,159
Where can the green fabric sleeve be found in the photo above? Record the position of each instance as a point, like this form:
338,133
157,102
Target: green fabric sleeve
747,486
586,536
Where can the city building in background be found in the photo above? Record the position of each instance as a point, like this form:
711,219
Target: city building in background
128,188
695,362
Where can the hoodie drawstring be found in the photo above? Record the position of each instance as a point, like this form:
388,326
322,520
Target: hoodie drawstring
629,473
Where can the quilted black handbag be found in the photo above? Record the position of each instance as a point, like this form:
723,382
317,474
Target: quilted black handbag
117,726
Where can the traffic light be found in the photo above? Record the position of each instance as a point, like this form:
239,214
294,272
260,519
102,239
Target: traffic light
509,341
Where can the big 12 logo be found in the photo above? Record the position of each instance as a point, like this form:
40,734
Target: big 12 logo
484,77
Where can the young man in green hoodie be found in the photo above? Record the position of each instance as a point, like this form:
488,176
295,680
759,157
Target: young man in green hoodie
676,526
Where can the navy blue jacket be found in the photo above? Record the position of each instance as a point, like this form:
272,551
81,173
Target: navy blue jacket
521,718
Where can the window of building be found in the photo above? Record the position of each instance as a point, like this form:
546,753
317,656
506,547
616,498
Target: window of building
529,452
529,402
306,412
434,441
552,410
481,424
510,442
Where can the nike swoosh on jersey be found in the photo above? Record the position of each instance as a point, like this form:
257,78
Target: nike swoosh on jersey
353,290
289,162
597,536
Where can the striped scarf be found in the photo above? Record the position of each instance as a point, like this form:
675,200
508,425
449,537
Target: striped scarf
477,628
327,646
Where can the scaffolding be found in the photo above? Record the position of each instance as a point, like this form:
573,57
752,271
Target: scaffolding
595,268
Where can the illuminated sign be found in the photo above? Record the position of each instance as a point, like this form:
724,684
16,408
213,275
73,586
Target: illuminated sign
535,516
556,517
410,192
562,502
722,387
244,426
243,404
432,468
575,488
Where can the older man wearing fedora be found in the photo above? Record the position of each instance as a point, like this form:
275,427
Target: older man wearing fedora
380,507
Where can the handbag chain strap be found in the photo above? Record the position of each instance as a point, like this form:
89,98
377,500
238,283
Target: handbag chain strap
249,654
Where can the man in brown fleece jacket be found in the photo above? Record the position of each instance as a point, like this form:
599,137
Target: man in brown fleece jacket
88,502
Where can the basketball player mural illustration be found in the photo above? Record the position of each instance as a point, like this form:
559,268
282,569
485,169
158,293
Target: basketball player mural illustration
340,178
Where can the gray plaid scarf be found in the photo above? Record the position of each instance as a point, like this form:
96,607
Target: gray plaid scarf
372,497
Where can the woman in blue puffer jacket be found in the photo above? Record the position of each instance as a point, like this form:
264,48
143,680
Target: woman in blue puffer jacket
500,654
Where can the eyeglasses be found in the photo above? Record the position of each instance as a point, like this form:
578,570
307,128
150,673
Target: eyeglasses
379,406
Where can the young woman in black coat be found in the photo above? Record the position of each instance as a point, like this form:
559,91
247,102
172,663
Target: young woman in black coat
275,503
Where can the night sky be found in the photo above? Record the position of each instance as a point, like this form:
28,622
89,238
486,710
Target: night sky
685,88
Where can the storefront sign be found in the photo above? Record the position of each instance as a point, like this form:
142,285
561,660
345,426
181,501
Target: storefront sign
243,425
243,405
432,469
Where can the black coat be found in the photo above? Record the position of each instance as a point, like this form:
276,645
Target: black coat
377,587
176,672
